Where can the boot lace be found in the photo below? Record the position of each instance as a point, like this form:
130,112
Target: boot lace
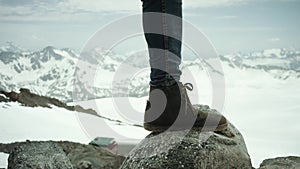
189,86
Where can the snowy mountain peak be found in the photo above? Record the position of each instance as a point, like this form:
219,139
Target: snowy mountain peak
48,49
272,52
71,52
11,47
280,63
276,53
50,71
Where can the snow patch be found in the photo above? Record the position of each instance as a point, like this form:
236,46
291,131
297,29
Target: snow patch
3,160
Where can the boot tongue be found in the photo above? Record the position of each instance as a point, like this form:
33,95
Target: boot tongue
189,106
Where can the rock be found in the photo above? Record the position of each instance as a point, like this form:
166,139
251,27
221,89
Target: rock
281,163
80,156
190,150
27,98
3,99
38,155
91,157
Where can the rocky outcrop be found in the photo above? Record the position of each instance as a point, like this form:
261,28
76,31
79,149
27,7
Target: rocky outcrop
38,156
27,98
190,150
59,155
281,163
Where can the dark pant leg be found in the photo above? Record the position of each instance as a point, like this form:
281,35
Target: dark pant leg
165,44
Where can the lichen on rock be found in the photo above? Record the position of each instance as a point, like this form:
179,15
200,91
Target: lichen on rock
37,155
291,162
190,149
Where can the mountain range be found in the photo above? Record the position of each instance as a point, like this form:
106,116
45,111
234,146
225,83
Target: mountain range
60,73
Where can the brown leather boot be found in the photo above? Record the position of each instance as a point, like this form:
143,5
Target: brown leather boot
169,108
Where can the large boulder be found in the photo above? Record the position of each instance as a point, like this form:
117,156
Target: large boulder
38,155
60,155
281,163
190,150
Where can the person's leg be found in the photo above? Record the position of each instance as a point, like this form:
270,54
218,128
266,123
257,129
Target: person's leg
169,106
164,51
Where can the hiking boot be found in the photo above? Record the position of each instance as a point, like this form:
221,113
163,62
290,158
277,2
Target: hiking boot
169,108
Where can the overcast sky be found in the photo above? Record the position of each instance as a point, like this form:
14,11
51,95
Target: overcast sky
231,25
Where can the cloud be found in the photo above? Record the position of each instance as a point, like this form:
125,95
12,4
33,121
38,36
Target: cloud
15,3
63,10
226,17
135,5
101,5
25,8
70,10
212,3
244,29
274,39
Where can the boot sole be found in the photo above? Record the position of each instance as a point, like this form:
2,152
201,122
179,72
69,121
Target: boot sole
155,128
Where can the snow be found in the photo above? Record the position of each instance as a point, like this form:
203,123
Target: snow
272,52
268,120
62,53
107,107
18,123
103,78
267,62
3,160
265,109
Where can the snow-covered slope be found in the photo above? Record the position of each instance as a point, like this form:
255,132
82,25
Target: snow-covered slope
265,109
19,123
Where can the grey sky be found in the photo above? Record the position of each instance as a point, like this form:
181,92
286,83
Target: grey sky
231,25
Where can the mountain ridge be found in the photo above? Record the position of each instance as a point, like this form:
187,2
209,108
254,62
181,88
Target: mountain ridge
59,72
